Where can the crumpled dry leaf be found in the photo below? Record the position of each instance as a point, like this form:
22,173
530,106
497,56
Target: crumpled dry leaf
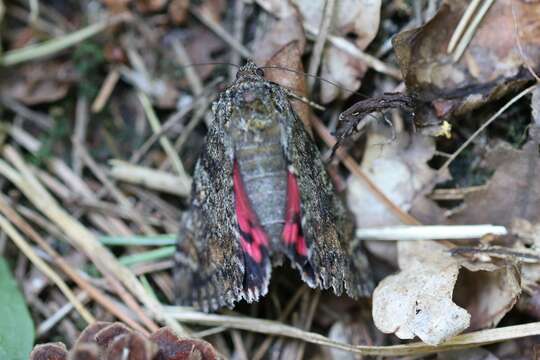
401,172
290,57
349,332
491,66
512,192
32,85
421,300
145,6
352,19
178,11
278,34
488,293
418,300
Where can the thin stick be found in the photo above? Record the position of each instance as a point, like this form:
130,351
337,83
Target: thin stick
322,35
469,34
355,169
106,90
115,192
429,232
308,322
79,133
61,313
183,59
286,312
485,125
156,127
55,45
44,268
464,341
221,32
353,50
460,28
41,120
238,34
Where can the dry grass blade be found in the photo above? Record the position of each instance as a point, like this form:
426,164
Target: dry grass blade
473,339
165,143
44,268
53,46
318,48
91,290
80,237
150,178
469,33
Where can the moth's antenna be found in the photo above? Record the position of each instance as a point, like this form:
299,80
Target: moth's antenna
209,63
316,77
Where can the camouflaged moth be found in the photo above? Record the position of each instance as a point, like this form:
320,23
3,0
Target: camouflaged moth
261,193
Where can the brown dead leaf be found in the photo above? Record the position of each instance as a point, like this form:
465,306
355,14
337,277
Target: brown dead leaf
178,11
491,66
278,34
290,57
358,20
117,6
488,295
201,44
400,170
349,332
512,192
31,84
146,6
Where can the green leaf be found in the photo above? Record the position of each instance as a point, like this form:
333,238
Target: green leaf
16,326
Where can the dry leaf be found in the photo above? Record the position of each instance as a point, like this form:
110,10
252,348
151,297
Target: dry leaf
178,11
354,19
32,85
491,66
400,171
488,295
512,192
418,300
290,57
145,6
277,34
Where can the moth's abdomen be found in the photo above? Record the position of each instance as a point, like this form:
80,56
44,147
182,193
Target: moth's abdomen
264,174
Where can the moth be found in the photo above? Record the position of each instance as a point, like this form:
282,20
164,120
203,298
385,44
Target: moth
261,194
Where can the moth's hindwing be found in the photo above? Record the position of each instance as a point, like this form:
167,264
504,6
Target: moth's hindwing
326,225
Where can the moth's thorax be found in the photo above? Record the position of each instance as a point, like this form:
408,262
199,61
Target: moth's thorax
255,130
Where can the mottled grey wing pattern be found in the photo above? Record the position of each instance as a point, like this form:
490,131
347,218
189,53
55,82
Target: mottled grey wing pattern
210,265
326,224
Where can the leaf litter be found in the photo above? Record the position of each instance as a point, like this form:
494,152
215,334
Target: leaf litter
458,70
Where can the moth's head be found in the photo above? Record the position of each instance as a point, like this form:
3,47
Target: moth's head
249,71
